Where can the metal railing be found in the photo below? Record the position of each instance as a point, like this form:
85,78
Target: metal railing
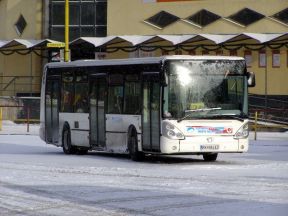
15,112
13,85
272,109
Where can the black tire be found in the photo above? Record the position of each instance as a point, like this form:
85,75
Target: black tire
82,151
66,141
210,157
133,148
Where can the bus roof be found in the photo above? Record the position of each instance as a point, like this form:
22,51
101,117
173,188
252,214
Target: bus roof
131,61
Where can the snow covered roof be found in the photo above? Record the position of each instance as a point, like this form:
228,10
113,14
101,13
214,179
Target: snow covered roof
27,43
138,40
216,39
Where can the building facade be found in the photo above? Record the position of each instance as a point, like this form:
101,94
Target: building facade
254,27
153,17
20,71
24,21
180,17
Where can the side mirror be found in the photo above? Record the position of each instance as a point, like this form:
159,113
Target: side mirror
251,79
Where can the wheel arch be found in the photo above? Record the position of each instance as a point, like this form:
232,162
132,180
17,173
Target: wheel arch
135,151
66,126
131,130
130,133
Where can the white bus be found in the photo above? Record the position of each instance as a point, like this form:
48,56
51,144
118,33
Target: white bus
161,105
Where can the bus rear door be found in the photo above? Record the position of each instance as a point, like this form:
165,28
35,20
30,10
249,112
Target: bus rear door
52,98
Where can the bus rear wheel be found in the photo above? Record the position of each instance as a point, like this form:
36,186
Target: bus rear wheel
210,157
66,141
133,149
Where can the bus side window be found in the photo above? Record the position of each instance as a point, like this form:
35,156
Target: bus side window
67,92
115,98
81,98
132,98
115,94
81,93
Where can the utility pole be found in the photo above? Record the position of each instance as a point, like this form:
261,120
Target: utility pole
67,51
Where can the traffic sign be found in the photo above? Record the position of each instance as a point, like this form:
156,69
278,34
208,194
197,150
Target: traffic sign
56,45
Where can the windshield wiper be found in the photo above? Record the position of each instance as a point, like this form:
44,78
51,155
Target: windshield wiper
197,110
240,118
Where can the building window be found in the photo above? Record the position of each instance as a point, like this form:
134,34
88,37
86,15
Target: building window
58,14
248,58
88,18
101,13
262,58
219,52
233,53
202,18
178,52
205,52
20,25
192,52
246,17
282,16
164,52
162,19
276,58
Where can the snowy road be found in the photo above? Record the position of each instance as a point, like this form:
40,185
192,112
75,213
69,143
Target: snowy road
36,179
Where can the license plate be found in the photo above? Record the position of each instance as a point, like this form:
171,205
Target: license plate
209,147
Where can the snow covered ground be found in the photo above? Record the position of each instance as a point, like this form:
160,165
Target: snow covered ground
38,179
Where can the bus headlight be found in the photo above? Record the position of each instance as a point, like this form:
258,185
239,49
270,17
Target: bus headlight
171,132
243,132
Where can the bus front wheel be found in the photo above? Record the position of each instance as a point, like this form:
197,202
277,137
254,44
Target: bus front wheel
66,141
210,157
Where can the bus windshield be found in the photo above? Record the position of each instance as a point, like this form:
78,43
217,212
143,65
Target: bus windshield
205,89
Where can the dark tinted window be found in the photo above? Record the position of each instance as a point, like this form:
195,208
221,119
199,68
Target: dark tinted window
58,15
132,98
67,93
87,13
20,25
203,18
282,16
87,18
101,13
246,16
162,19
74,14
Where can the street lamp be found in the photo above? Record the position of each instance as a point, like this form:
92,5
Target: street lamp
66,51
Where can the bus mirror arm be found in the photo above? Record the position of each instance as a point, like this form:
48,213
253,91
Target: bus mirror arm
251,79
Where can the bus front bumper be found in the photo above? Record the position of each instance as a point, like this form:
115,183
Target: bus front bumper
203,144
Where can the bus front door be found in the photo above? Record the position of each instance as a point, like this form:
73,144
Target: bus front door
97,112
151,116
52,109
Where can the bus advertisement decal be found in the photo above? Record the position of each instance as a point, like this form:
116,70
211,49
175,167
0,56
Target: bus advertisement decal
208,130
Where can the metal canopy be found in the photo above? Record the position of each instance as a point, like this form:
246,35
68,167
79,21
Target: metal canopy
24,43
146,40
136,40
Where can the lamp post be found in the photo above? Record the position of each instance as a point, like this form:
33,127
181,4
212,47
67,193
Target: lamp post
66,51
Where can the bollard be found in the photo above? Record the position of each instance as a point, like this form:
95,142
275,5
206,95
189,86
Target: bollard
28,118
255,125
1,118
